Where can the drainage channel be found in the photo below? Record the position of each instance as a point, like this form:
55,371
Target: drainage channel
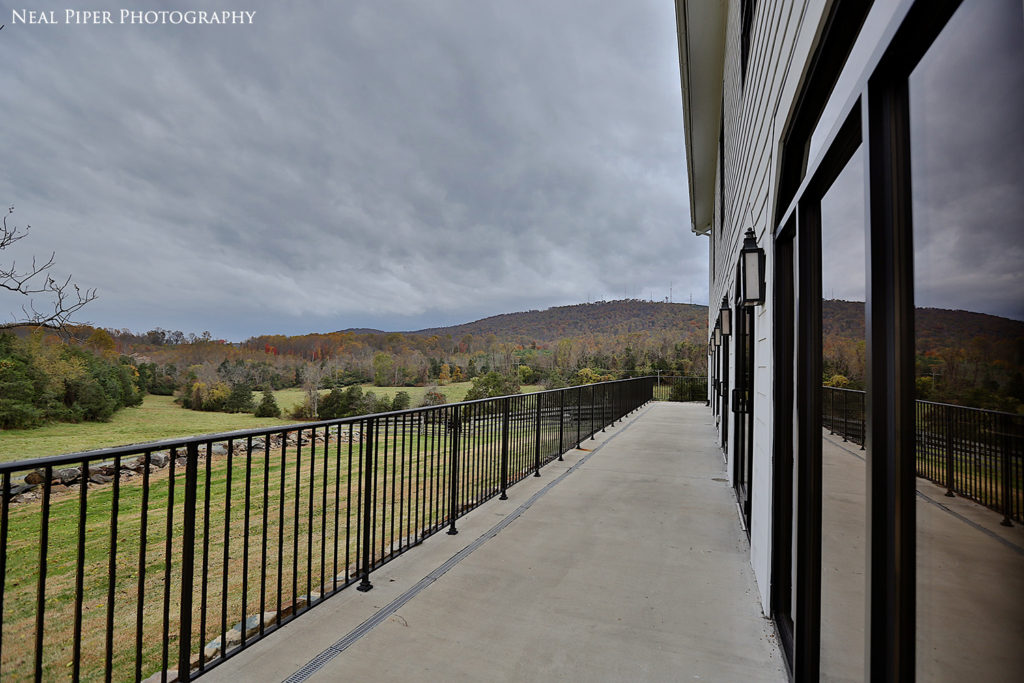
320,660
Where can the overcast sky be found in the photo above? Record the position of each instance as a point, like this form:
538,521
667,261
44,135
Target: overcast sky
344,164
967,162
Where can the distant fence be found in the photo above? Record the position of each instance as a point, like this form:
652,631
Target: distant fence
978,454
172,556
669,388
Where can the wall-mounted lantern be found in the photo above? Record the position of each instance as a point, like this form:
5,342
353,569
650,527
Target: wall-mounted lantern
725,317
752,267
718,335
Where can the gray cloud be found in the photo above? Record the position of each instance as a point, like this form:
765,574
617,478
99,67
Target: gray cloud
967,160
387,164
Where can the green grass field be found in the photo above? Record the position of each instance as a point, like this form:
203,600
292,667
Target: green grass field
160,418
307,505
157,418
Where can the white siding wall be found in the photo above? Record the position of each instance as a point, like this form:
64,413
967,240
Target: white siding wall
755,115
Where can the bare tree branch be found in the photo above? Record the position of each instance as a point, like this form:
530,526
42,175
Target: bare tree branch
63,299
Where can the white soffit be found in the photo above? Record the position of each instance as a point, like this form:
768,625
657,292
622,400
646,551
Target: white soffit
700,26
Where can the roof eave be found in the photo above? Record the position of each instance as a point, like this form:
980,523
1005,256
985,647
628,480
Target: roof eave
700,29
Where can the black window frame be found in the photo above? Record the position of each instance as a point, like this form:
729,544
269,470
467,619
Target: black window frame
877,113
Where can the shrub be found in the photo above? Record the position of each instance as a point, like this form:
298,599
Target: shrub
303,411
401,401
433,397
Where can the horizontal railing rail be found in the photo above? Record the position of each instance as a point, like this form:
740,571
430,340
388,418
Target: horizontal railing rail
680,388
172,556
975,453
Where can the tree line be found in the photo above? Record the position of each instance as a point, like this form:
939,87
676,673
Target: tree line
43,379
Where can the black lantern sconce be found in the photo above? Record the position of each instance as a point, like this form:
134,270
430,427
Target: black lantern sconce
752,268
725,317
718,334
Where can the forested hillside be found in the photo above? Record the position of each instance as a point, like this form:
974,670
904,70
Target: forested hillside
963,357
556,347
612,317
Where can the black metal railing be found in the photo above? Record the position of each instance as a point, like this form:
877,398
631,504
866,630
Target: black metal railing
673,388
843,413
975,453
172,556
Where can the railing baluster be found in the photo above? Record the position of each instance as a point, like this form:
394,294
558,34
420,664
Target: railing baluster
203,589
309,515
536,440
948,424
366,432
226,557
245,539
453,494
505,416
169,535
593,398
44,542
76,652
348,503
561,424
323,512
579,415
295,521
263,533
5,498
108,646
188,542
337,509
140,595
280,526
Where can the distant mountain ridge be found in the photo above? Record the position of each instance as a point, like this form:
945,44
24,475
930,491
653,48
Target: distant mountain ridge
933,326
578,320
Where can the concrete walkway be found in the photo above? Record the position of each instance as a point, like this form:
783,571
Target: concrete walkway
632,567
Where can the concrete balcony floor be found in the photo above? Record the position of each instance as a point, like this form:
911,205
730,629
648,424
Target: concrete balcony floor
627,563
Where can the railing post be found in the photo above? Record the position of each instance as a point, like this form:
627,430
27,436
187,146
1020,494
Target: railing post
561,423
455,425
506,412
188,542
369,438
1006,444
536,441
948,423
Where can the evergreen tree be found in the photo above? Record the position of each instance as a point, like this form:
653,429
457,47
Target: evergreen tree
239,400
268,405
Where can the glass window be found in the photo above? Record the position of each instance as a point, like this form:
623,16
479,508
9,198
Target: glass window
967,157
843,474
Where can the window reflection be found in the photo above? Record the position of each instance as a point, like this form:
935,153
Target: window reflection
967,112
843,521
